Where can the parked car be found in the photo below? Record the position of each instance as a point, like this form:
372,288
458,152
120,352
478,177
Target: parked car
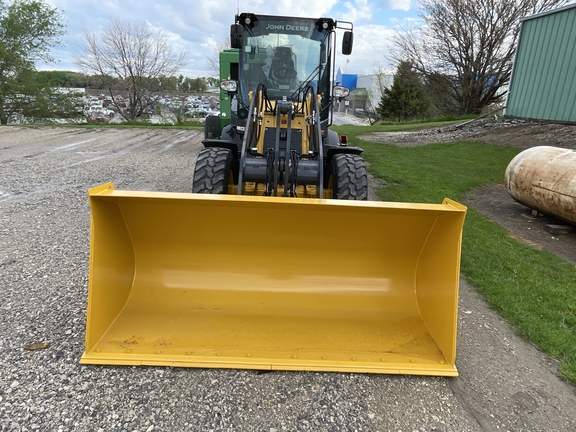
196,112
97,117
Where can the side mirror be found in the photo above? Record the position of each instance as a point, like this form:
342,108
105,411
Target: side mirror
347,42
236,36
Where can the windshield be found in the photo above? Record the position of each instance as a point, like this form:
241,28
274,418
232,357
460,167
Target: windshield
285,54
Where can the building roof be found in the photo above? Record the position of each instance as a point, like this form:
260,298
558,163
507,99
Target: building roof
550,12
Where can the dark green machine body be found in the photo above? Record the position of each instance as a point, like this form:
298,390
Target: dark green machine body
228,71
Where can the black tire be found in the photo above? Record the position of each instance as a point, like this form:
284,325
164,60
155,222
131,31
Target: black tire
212,127
213,172
348,177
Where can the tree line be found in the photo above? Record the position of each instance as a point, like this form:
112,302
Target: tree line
173,84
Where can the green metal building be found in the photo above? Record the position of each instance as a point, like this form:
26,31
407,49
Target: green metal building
543,81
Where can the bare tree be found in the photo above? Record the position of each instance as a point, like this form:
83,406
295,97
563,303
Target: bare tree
213,60
383,79
470,43
131,57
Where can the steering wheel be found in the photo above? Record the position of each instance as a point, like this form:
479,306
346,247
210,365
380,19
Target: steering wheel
285,73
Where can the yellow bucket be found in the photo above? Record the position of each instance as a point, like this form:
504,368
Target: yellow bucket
224,281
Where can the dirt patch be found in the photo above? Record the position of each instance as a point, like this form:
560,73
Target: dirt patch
494,201
537,230
508,132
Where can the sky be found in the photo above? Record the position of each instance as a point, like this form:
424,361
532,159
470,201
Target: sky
197,26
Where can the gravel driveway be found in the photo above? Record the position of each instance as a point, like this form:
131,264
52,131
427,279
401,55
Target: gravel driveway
504,383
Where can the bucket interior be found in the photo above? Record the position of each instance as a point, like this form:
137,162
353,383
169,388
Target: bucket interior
272,283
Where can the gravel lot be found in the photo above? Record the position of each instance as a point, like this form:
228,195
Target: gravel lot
504,383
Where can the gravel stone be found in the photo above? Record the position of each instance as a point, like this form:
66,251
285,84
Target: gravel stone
521,133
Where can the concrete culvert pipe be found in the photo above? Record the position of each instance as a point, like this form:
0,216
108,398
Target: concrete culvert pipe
544,178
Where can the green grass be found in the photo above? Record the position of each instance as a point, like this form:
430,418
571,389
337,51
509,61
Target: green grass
534,290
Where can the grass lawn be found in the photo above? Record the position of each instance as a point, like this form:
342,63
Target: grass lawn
534,290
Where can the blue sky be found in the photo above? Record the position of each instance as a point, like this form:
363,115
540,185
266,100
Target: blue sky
198,25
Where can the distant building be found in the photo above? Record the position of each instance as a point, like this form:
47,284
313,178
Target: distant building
365,90
542,85
374,84
346,80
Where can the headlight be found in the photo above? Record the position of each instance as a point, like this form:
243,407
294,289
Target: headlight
229,85
340,92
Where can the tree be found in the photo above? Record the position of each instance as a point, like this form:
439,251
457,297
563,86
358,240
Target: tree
472,42
28,30
213,60
198,85
382,79
439,90
131,58
407,98
54,103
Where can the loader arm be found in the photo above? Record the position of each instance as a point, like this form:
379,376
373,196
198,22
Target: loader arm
282,148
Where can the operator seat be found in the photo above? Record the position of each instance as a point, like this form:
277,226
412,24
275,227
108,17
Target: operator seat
283,73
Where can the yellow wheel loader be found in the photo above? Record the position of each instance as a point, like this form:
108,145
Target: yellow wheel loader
276,260
278,142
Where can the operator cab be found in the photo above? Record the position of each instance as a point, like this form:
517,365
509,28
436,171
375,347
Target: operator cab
288,55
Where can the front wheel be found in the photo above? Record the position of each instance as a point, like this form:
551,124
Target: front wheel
348,178
213,172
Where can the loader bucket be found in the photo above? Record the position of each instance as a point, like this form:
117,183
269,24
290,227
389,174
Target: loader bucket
224,281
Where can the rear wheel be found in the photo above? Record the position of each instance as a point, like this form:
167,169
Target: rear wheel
213,173
212,127
348,177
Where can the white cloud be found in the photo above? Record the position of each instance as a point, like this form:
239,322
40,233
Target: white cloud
403,5
199,25
360,10
371,44
302,8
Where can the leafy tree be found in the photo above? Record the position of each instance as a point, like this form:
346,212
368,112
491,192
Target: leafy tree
131,58
199,85
168,84
28,30
407,98
63,79
471,42
439,90
54,104
194,85
40,99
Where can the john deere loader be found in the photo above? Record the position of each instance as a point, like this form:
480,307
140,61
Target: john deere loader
276,260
